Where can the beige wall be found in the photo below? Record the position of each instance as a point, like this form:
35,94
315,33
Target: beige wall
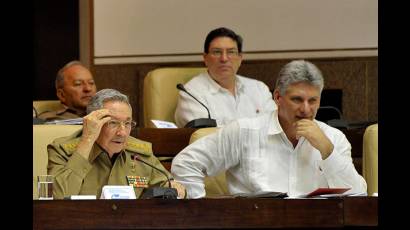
124,40
152,31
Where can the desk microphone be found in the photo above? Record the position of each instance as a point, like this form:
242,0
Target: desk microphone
200,122
157,192
337,123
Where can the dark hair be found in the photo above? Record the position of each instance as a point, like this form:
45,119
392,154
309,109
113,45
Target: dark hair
222,32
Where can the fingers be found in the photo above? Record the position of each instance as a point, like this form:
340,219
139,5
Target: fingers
99,114
305,128
93,122
105,119
303,122
180,189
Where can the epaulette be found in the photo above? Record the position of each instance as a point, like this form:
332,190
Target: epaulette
139,146
70,145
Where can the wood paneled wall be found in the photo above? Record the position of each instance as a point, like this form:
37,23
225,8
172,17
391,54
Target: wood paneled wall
357,77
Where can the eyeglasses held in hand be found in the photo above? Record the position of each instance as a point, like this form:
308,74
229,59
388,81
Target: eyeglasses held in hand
231,53
115,124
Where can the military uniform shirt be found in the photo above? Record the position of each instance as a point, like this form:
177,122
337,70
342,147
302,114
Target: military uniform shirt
74,175
62,113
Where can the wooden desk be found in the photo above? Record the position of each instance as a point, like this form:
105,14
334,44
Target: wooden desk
206,213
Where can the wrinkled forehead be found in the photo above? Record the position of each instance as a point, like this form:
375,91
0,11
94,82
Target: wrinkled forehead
118,110
77,72
303,88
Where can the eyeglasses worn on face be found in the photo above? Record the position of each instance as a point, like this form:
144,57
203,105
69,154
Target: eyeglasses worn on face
115,124
232,53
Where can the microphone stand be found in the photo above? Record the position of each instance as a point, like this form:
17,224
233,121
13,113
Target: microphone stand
200,122
157,191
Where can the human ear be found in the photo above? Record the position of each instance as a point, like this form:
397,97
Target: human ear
276,96
61,95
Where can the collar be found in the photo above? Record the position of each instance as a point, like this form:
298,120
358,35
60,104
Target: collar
95,152
214,87
133,145
65,108
274,126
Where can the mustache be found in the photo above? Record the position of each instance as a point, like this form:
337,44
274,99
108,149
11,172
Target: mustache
119,139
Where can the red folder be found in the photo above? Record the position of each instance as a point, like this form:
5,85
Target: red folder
323,191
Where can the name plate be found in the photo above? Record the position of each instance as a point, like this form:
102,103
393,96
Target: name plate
81,197
117,192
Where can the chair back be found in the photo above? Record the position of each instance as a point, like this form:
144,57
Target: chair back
42,136
160,95
44,106
214,185
370,158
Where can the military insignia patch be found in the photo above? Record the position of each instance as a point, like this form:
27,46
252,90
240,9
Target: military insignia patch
137,181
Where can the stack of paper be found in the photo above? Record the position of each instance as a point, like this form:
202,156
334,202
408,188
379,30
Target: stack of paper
83,197
74,121
262,194
164,124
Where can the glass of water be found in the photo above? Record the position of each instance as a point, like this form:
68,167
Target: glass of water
45,187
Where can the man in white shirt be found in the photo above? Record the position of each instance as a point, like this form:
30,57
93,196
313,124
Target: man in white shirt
284,151
227,95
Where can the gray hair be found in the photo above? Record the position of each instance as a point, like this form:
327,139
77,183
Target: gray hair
105,95
60,74
299,71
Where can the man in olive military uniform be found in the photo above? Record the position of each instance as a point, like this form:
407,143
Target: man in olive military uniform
103,152
74,88
62,113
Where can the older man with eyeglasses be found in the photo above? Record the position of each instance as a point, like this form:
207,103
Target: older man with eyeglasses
227,95
103,152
